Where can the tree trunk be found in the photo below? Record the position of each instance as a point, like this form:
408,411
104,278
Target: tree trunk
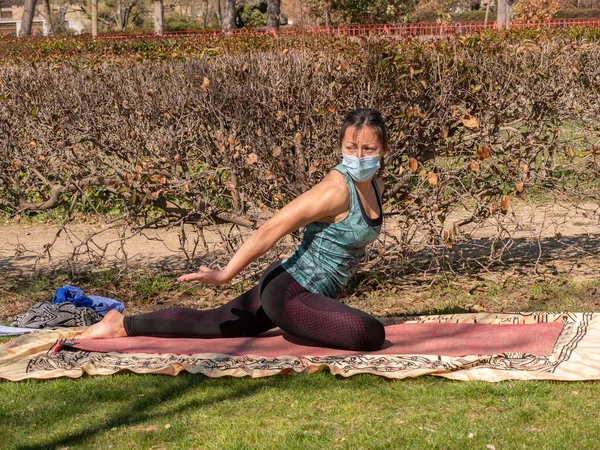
487,12
273,14
47,13
219,12
159,17
504,14
94,18
27,20
205,15
229,15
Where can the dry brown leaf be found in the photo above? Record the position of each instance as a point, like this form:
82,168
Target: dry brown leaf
519,186
125,104
493,208
17,164
230,186
156,178
232,140
138,168
470,121
252,158
276,152
413,165
205,84
473,166
444,132
423,174
435,207
505,202
432,178
298,138
186,187
132,134
483,152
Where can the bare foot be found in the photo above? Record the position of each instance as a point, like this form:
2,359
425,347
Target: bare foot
109,327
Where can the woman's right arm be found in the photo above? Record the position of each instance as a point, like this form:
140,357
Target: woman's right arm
328,198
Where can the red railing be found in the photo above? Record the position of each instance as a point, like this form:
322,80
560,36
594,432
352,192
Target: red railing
408,29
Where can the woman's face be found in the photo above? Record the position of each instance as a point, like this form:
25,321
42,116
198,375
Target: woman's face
361,143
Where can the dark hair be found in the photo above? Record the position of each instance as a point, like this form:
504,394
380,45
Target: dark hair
368,117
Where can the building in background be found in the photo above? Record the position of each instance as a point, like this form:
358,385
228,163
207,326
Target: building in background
71,19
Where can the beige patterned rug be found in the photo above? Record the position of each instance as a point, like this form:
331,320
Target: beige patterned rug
573,355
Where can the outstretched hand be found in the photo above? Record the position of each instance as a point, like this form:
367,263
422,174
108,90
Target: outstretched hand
206,276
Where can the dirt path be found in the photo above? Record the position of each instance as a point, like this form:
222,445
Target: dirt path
564,233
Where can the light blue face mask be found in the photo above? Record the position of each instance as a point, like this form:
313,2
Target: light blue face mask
361,169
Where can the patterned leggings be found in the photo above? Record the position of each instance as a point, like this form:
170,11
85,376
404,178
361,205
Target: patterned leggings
277,301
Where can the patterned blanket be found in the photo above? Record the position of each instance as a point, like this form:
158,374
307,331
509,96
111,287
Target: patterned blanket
575,355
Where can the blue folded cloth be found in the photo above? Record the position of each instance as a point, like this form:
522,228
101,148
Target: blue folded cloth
73,294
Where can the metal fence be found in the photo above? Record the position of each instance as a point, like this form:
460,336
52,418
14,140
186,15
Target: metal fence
408,29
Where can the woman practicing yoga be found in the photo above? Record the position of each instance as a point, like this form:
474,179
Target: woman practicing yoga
341,215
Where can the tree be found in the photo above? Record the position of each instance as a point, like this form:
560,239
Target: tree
47,13
27,20
360,11
273,13
159,17
229,15
115,13
94,18
536,10
504,14
431,10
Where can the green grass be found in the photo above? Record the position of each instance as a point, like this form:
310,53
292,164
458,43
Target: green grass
128,411
305,411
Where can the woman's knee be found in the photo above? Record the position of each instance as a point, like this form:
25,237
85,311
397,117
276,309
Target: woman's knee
376,334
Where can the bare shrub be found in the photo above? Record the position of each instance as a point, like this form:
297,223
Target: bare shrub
476,123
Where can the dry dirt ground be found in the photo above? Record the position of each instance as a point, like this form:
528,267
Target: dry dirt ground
552,242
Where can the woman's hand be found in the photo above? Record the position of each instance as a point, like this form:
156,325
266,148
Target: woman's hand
207,276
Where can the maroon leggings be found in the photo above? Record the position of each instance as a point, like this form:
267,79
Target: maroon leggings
277,301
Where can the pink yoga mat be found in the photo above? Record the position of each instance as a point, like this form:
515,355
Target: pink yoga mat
444,339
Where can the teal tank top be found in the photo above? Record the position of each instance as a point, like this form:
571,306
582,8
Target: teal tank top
330,252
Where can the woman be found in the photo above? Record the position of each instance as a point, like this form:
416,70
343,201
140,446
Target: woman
341,215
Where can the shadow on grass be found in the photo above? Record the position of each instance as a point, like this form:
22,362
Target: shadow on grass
475,258
142,409
472,256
